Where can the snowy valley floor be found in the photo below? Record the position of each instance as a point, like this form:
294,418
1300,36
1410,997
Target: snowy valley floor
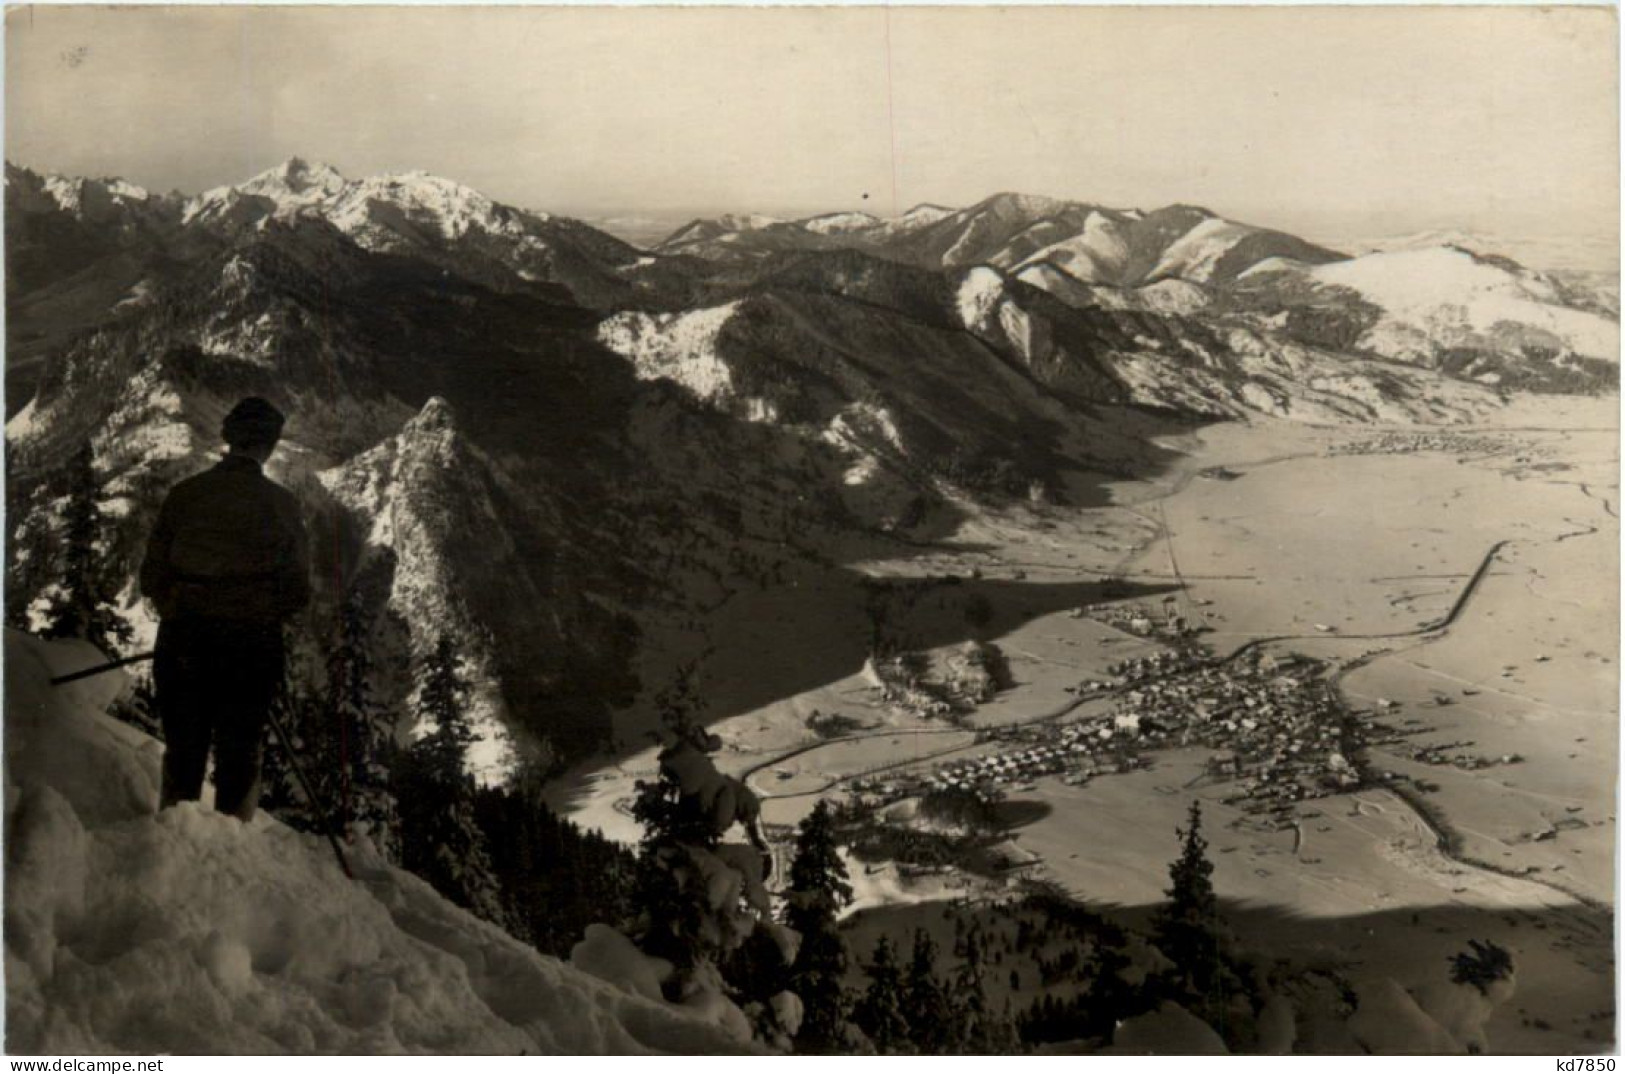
1339,543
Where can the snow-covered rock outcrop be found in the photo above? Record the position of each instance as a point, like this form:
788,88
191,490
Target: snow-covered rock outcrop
415,492
188,932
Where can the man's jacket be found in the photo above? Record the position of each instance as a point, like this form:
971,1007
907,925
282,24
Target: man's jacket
229,544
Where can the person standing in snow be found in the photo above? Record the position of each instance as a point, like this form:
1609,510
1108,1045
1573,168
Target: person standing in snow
226,565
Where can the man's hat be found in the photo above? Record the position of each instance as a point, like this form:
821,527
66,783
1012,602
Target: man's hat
252,423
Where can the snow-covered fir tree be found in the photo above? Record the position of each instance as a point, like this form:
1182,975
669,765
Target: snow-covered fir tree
699,898
300,713
82,602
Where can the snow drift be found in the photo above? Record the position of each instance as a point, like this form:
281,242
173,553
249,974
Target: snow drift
189,932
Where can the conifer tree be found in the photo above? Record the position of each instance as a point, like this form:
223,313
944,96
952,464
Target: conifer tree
928,1008
1190,932
819,887
1187,929
879,1013
975,1028
817,892
674,912
970,1020
83,602
365,732
440,838
1111,998
556,879
684,865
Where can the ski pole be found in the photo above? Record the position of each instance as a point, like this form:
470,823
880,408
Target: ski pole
310,793
100,669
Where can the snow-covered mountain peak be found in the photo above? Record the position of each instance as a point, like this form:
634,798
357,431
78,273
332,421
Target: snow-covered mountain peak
436,421
287,189
747,221
378,208
836,223
428,201
1436,238
298,177
978,296
84,198
925,213
1024,204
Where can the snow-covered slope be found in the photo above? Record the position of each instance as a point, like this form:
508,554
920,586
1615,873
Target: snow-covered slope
680,347
1097,254
1446,295
189,932
422,215
414,491
835,223
1196,254
289,187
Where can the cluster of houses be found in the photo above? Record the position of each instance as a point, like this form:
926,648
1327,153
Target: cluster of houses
1276,728
1277,733
1068,753
1158,665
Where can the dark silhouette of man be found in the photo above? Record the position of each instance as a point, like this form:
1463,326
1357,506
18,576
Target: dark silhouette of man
226,565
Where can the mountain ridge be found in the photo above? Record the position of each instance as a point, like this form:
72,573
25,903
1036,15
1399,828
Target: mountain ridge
646,433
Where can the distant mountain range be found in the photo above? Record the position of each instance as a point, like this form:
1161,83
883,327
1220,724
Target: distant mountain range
560,447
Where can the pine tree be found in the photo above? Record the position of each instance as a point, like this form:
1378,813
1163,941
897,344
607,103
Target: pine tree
442,710
365,735
970,1021
928,1008
1111,998
880,1012
440,839
1187,929
817,892
819,887
83,603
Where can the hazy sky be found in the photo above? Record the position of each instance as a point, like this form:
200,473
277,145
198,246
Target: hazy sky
1324,120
